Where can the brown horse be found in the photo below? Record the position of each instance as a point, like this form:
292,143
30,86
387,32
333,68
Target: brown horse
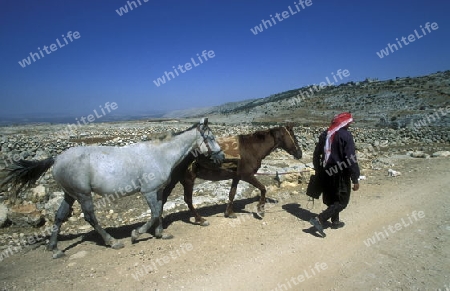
243,156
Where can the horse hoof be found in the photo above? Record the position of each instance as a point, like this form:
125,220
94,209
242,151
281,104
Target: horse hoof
260,211
230,215
134,236
167,236
164,236
202,222
58,254
260,214
117,245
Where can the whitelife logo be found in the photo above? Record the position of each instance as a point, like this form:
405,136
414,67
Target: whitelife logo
53,47
206,55
411,38
124,9
284,15
378,236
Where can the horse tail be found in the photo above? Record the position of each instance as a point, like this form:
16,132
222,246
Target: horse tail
25,173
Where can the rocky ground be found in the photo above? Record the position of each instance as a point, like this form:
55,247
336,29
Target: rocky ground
36,206
417,159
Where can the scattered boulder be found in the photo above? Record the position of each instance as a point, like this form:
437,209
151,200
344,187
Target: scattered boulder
441,154
419,154
26,215
292,178
393,173
38,193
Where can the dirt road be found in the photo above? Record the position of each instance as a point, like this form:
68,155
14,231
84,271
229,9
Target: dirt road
396,238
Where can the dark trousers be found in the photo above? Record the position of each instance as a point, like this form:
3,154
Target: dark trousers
336,194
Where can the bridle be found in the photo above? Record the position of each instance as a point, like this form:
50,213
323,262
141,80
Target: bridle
205,137
277,144
216,156
292,137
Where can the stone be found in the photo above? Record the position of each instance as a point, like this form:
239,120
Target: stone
38,192
285,184
441,154
85,227
26,215
420,154
3,214
393,173
293,178
72,219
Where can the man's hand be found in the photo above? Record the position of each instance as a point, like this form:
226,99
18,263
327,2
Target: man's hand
355,187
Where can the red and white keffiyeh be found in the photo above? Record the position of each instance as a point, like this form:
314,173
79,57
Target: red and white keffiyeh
339,121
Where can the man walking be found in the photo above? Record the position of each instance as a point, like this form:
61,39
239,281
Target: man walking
335,163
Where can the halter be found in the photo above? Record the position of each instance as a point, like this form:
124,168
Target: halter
290,135
277,143
206,128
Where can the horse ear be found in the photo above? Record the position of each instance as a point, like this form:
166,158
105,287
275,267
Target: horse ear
204,121
290,125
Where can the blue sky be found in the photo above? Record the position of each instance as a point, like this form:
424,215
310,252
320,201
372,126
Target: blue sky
117,58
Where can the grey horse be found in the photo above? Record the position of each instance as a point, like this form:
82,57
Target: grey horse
113,172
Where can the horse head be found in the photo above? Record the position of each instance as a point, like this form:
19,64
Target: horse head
285,139
207,143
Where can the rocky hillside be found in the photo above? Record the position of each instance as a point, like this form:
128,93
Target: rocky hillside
402,102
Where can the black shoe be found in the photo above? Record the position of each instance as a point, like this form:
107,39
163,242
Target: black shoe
337,224
317,225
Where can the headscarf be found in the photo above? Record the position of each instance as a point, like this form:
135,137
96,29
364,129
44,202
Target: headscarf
339,121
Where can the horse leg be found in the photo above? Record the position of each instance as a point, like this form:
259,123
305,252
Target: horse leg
262,200
60,217
188,186
167,190
156,207
229,211
87,206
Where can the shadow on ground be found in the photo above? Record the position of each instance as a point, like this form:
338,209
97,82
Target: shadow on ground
303,214
124,232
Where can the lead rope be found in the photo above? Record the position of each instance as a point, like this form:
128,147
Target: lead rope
308,203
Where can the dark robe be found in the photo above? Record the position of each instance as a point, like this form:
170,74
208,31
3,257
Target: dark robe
340,170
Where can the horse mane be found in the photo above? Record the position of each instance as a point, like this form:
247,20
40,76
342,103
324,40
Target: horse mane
259,134
262,134
166,136
183,131
160,137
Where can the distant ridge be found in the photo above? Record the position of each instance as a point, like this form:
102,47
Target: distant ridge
395,102
51,118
